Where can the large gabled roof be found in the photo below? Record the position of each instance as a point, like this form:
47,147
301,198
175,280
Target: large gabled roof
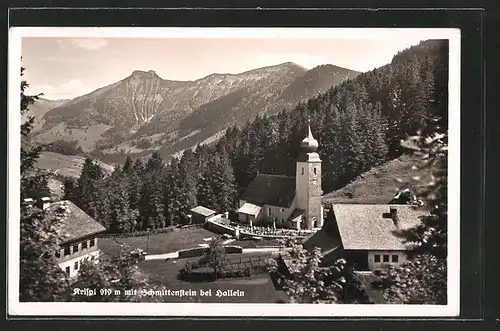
75,223
271,190
368,227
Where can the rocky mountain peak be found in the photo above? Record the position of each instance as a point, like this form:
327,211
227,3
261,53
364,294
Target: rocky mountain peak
143,74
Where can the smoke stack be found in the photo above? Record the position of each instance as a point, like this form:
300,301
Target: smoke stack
393,212
45,202
28,202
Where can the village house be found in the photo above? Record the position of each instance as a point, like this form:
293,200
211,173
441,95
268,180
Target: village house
367,234
200,214
286,201
78,235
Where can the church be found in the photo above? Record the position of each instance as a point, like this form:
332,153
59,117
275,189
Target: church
285,201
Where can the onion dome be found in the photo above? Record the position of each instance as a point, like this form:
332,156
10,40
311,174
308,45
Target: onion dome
309,144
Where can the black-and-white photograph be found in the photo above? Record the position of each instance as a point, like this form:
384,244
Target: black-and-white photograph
271,167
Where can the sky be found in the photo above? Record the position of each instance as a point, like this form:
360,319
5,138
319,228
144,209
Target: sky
67,67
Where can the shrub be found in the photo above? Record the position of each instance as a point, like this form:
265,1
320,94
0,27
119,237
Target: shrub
193,252
144,143
233,249
197,275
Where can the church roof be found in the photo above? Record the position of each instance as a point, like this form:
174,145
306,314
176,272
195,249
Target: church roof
271,190
309,144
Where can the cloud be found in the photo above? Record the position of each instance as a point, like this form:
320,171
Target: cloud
65,59
308,61
66,90
49,59
90,44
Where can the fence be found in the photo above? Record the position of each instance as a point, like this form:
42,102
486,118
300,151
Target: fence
153,231
219,227
255,264
248,259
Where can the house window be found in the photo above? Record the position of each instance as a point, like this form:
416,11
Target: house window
67,270
58,253
269,211
84,244
76,265
302,170
386,258
315,170
66,250
92,242
395,258
282,210
75,248
377,258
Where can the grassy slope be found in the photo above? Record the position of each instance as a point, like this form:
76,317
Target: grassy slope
59,165
158,243
379,184
65,165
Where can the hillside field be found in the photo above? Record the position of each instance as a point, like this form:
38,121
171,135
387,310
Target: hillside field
380,184
65,165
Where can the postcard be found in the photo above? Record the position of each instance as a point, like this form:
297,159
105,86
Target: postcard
288,172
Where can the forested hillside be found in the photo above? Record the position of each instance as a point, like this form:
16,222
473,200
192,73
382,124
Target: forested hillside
358,124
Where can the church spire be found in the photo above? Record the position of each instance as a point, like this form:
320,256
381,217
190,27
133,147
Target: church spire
309,144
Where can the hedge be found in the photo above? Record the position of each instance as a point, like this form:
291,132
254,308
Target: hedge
233,249
206,274
192,252
154,231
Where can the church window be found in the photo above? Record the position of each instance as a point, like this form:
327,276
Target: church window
302,170
315,170
282,210
269,211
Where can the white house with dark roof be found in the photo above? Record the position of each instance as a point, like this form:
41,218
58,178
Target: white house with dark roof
368,234
284,200
78,235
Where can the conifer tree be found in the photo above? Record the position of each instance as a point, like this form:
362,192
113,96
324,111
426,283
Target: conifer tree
151,194
34,184
70,190
41,279
223,183
91,194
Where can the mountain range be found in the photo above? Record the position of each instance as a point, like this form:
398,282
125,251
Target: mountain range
144,112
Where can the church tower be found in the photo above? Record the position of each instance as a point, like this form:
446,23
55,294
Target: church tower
308,182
